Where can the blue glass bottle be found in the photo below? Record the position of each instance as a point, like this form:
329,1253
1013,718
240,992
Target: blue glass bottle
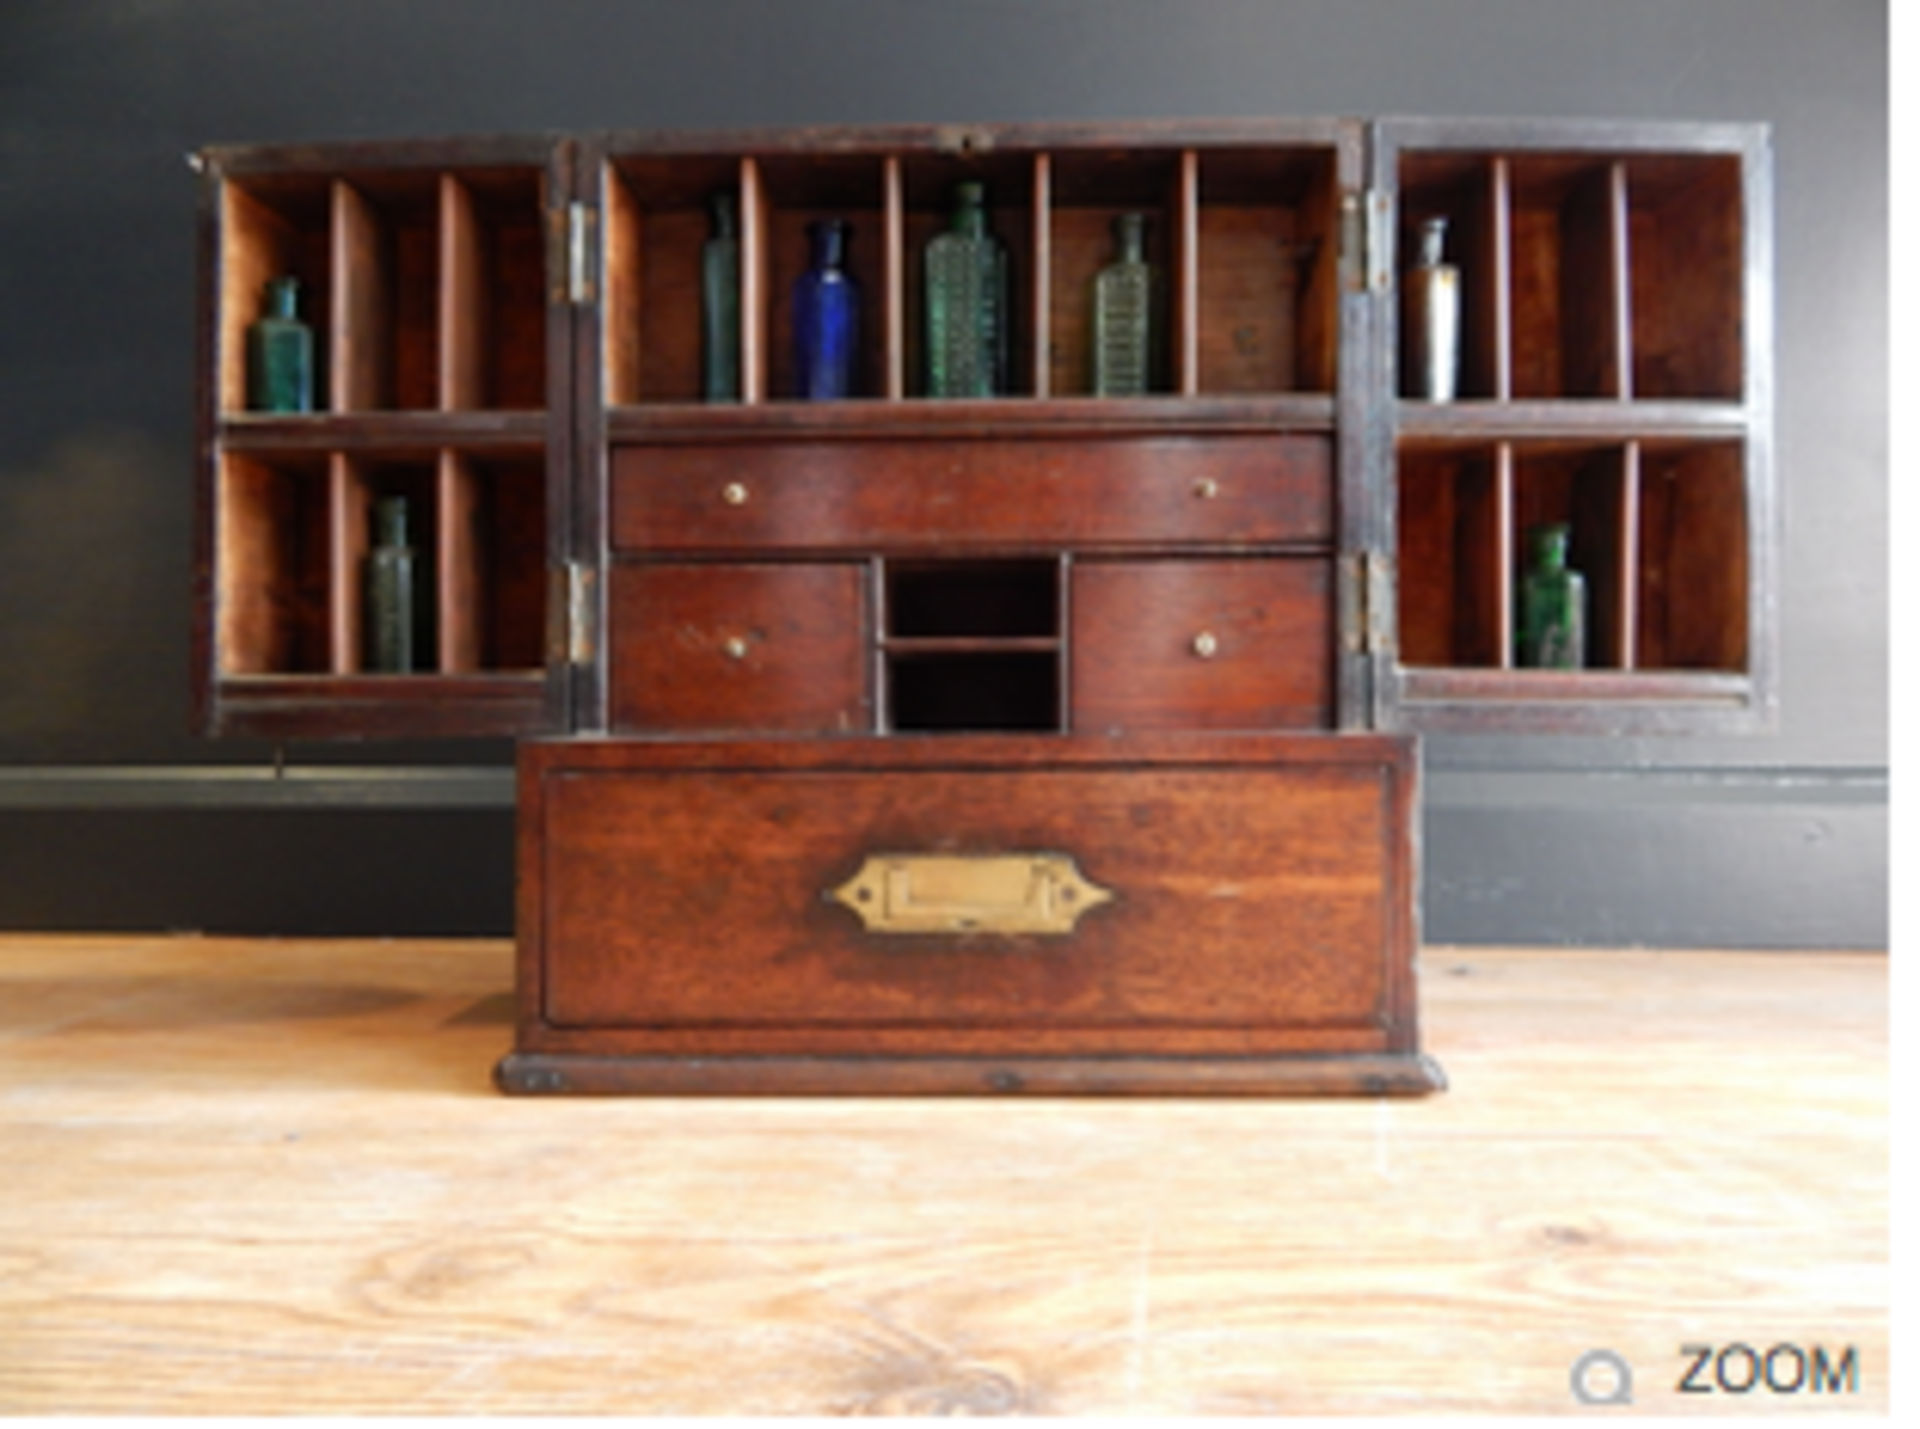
826,317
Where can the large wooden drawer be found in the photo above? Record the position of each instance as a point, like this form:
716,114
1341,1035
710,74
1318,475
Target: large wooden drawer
968,914
947,496
1222,644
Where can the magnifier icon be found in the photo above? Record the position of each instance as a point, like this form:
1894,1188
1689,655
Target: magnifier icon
1602,1377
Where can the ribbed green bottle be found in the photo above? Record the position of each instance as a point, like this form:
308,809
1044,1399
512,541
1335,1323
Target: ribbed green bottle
1125,314
389,612
966,303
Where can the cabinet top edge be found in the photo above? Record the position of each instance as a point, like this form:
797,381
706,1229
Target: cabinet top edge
1573,133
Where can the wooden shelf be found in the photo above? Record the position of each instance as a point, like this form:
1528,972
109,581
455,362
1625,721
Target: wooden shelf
1247,243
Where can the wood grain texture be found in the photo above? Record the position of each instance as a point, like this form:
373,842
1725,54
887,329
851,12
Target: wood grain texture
269,1176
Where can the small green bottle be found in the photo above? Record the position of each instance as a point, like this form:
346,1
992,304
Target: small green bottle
1552,632
280,352
966,302
1125,316
389,591
720,304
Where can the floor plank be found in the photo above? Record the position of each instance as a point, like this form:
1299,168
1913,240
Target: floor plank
263,1176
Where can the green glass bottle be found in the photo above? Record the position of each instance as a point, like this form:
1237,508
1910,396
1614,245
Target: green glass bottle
1552,633
1125,314
966,303
280,352
720,303
389,591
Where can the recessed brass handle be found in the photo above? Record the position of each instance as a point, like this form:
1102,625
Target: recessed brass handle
1206,645
734,493
1033,893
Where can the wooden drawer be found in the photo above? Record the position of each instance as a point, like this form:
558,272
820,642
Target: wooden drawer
947,496
793,916
1223,644
738,648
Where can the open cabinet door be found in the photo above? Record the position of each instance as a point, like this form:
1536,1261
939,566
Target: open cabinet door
386,553
1599,383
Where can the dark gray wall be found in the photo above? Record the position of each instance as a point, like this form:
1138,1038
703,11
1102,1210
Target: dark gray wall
112,813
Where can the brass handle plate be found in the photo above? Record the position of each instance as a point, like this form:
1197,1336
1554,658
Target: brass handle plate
1041,893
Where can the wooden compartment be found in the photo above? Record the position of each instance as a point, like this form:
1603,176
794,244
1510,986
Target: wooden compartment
656,217
793,192
1086,191
1261,272
971,645
1694,579
1687,223
294,532
1192,644
1647,518
271,601
426,289
1014,180
738,647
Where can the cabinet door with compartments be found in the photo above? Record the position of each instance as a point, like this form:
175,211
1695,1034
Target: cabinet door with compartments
1612,379
421,425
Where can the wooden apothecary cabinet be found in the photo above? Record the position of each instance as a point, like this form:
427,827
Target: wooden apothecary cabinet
1046,741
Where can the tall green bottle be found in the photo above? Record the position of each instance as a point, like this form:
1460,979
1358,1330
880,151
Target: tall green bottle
720,304
966,303
1125,314
1552,633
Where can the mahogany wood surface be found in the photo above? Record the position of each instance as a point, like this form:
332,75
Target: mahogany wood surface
1192,644
939,496
674,901
739,647
261,1177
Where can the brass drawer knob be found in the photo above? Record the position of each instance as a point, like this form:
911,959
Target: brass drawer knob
1206,645
734,493
1206,488
736,647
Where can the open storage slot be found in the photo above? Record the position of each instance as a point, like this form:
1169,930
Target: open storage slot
274,571
971,645
1086,192
794,192
1686,222
426,290
1262,277
295,532
1587,275
1658,529
1694,581
658,216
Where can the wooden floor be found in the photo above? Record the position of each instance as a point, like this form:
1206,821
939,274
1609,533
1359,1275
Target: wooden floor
266,1176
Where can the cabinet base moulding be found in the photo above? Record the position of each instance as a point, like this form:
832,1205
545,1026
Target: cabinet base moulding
1375,1075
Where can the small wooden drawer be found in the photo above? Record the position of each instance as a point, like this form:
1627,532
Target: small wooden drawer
947,496
738,648
1223,644
967,914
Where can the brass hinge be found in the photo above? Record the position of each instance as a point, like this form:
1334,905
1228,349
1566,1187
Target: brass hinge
1366,603
571,277
1366,240
573,623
